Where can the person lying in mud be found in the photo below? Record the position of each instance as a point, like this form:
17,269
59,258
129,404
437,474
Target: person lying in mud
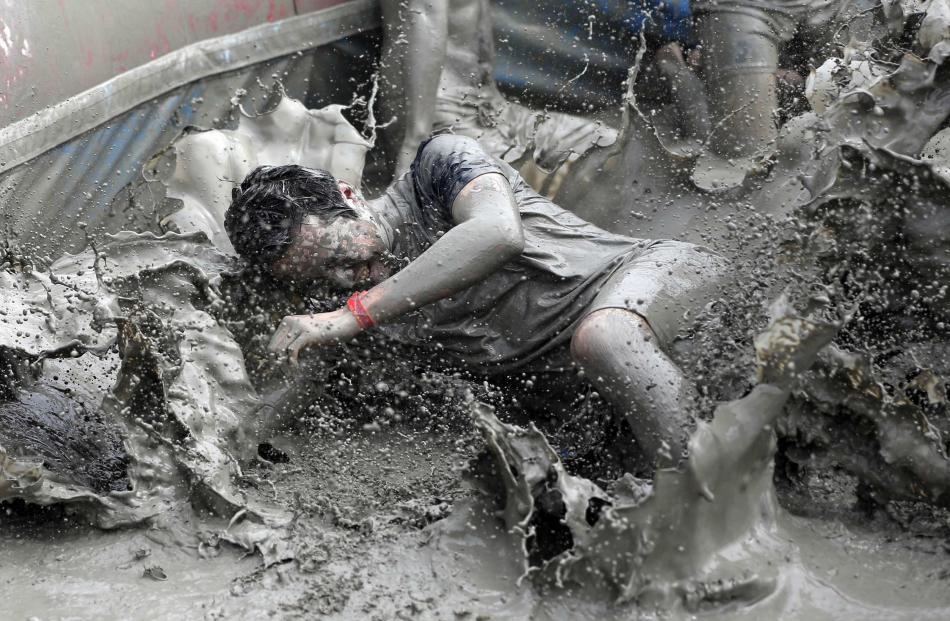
461,255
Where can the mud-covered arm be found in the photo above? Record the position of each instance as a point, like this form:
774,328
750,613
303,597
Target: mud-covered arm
459,187
427,32
487,234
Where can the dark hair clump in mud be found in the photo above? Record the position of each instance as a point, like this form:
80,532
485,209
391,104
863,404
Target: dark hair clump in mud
268,207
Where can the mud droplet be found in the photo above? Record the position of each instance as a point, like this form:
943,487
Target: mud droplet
155,573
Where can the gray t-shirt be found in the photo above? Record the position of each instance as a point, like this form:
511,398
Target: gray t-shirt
532,304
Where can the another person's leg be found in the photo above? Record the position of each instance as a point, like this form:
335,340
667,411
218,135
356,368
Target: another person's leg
552,142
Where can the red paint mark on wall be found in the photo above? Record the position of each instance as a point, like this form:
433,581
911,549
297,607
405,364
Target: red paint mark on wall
88,53
247,8
121,61
164,45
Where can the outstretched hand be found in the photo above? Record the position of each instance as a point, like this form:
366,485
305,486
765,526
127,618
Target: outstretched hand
298,332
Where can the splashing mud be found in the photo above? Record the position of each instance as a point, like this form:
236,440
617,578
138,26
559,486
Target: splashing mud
703,535
848,211
123,333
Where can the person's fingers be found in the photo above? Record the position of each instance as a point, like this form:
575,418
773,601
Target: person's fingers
291,337
293,350
278,342
285,334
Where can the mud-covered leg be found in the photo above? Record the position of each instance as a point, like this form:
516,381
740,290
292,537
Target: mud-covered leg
622,358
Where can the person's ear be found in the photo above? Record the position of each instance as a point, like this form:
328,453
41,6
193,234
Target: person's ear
346,190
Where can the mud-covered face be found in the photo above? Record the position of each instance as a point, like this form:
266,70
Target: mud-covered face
346,252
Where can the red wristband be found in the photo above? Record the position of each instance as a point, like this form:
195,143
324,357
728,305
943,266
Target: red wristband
355,304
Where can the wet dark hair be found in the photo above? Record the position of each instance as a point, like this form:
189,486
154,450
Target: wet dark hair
268,207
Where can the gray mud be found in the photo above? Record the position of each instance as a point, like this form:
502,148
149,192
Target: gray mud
362,506
380,486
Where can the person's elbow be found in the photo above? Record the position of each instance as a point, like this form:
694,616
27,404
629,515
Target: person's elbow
508,240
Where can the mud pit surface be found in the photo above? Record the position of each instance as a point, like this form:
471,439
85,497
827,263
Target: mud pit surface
360,506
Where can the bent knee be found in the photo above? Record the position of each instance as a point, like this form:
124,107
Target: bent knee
605,329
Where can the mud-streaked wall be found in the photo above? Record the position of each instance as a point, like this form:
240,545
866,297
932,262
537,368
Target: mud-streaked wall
53,49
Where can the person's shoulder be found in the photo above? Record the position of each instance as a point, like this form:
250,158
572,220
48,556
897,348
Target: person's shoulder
449,155
450,139
448,143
